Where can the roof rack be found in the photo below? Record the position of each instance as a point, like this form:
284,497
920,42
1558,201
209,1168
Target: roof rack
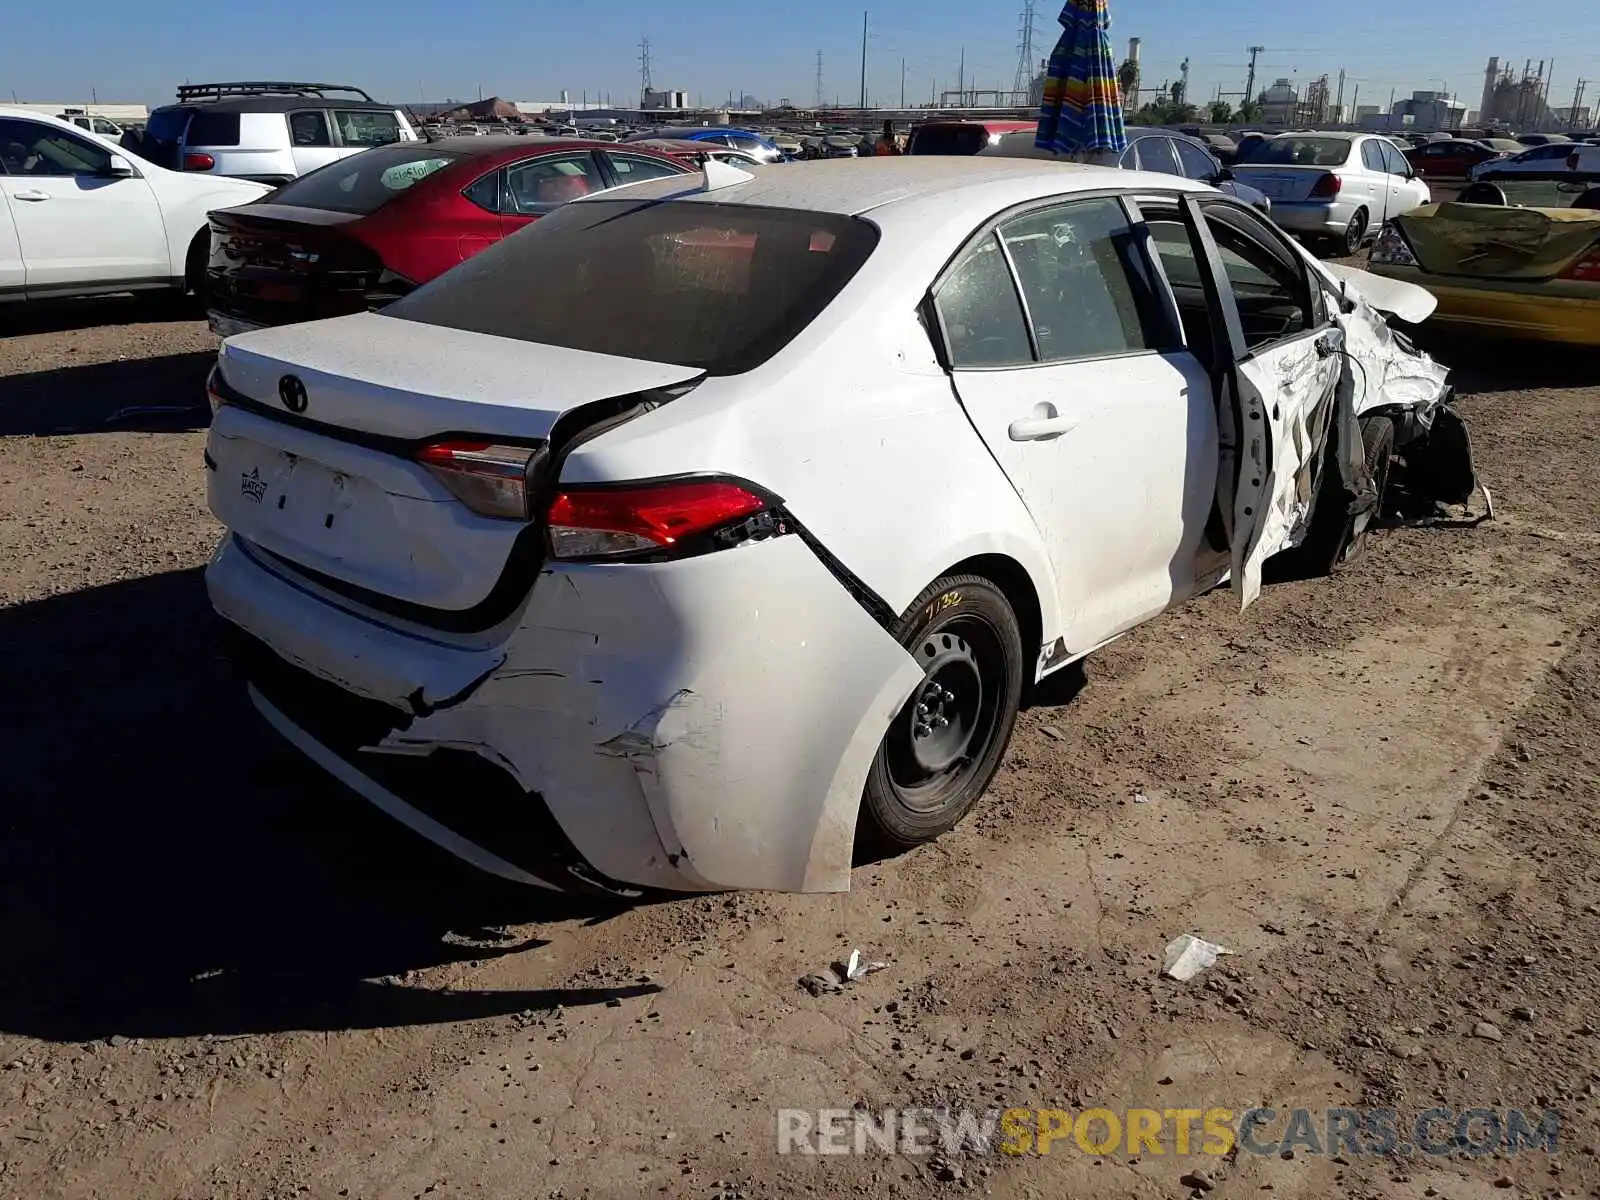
218,91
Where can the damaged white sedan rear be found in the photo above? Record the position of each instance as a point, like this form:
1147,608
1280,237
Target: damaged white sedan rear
701,539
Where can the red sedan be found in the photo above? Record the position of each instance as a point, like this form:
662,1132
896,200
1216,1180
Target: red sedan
367,229
1449,160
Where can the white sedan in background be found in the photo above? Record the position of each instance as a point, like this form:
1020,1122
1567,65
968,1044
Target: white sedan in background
698,537
78,218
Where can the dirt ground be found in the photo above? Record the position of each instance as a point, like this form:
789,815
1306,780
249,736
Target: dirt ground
224,978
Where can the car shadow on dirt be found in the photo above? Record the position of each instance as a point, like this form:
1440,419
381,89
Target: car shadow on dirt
165,394
1486,364
62,316
167,868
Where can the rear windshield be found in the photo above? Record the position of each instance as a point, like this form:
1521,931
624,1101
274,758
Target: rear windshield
213,129
366,127
949,139
1298,152
366,182
722,287
163,137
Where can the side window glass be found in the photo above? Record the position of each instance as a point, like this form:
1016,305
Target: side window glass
309,129
543,184
1155,154
1371,156
1196,163
1395,161
1084,281
485,192
1130,159
629,169
28,148
1273,299
978,307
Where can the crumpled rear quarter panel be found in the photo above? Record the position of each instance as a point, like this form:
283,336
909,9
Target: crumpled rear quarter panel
705,723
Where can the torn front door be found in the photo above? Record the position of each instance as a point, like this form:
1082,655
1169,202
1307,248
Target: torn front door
1272,398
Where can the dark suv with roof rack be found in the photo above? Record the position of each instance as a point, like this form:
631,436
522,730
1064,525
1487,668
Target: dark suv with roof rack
271,132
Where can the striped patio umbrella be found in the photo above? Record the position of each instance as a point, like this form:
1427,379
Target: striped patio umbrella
1082,107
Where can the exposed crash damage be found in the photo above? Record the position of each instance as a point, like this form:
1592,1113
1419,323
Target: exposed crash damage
1387,428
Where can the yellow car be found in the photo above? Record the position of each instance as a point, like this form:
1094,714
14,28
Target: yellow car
1526,264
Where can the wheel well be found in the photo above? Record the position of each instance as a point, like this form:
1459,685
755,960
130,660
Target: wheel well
1013,580
196,259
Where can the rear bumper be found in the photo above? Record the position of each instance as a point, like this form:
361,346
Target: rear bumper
694,725
1500,312
1316,217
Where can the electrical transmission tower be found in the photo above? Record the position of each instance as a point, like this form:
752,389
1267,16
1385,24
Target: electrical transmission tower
1023,82
1250,80
644,69
820,98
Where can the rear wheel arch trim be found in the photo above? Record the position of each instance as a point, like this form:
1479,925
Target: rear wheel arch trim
1020,591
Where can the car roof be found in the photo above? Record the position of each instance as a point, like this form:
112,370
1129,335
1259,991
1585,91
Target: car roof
497,143
1340,134
855,186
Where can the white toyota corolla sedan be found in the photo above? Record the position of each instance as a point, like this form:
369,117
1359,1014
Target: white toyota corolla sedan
706,533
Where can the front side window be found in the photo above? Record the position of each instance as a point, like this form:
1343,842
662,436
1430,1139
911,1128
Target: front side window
1084,281
1372,157
28,148
979,310
544,184
1394,161
631,169
366,127
1273,300
1196,163
309,129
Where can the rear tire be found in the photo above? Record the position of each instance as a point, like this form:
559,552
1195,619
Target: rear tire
1355,234
943,748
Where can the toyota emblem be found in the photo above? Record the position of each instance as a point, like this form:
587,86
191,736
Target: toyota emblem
293,394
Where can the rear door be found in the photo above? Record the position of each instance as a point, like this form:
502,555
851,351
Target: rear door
536,186
1278,367
1065,353
77,224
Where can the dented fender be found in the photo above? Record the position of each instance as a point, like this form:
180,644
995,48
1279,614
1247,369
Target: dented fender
704,723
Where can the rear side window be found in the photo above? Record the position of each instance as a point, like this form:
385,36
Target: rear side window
365,182
309,129
949,139
366,127
979,310
213,129
722,287
1155,154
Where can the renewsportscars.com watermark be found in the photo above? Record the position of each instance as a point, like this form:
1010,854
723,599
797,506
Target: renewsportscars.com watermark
1141,1131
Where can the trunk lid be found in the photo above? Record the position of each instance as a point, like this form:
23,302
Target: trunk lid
1281,182
274,264
332,485
1493,241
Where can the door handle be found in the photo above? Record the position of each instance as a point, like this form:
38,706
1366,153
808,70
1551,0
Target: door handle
1033,429
30,194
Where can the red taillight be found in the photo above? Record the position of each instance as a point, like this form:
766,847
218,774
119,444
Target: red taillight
1586,269
603,521
198,162
1326,187
490,479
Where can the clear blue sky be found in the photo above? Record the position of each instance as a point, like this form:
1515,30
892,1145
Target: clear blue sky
404,50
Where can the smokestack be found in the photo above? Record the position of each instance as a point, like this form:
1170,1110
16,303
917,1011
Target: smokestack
1133,50
1491,76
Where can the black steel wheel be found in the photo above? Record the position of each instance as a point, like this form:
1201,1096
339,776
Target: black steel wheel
1354,233
944,746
